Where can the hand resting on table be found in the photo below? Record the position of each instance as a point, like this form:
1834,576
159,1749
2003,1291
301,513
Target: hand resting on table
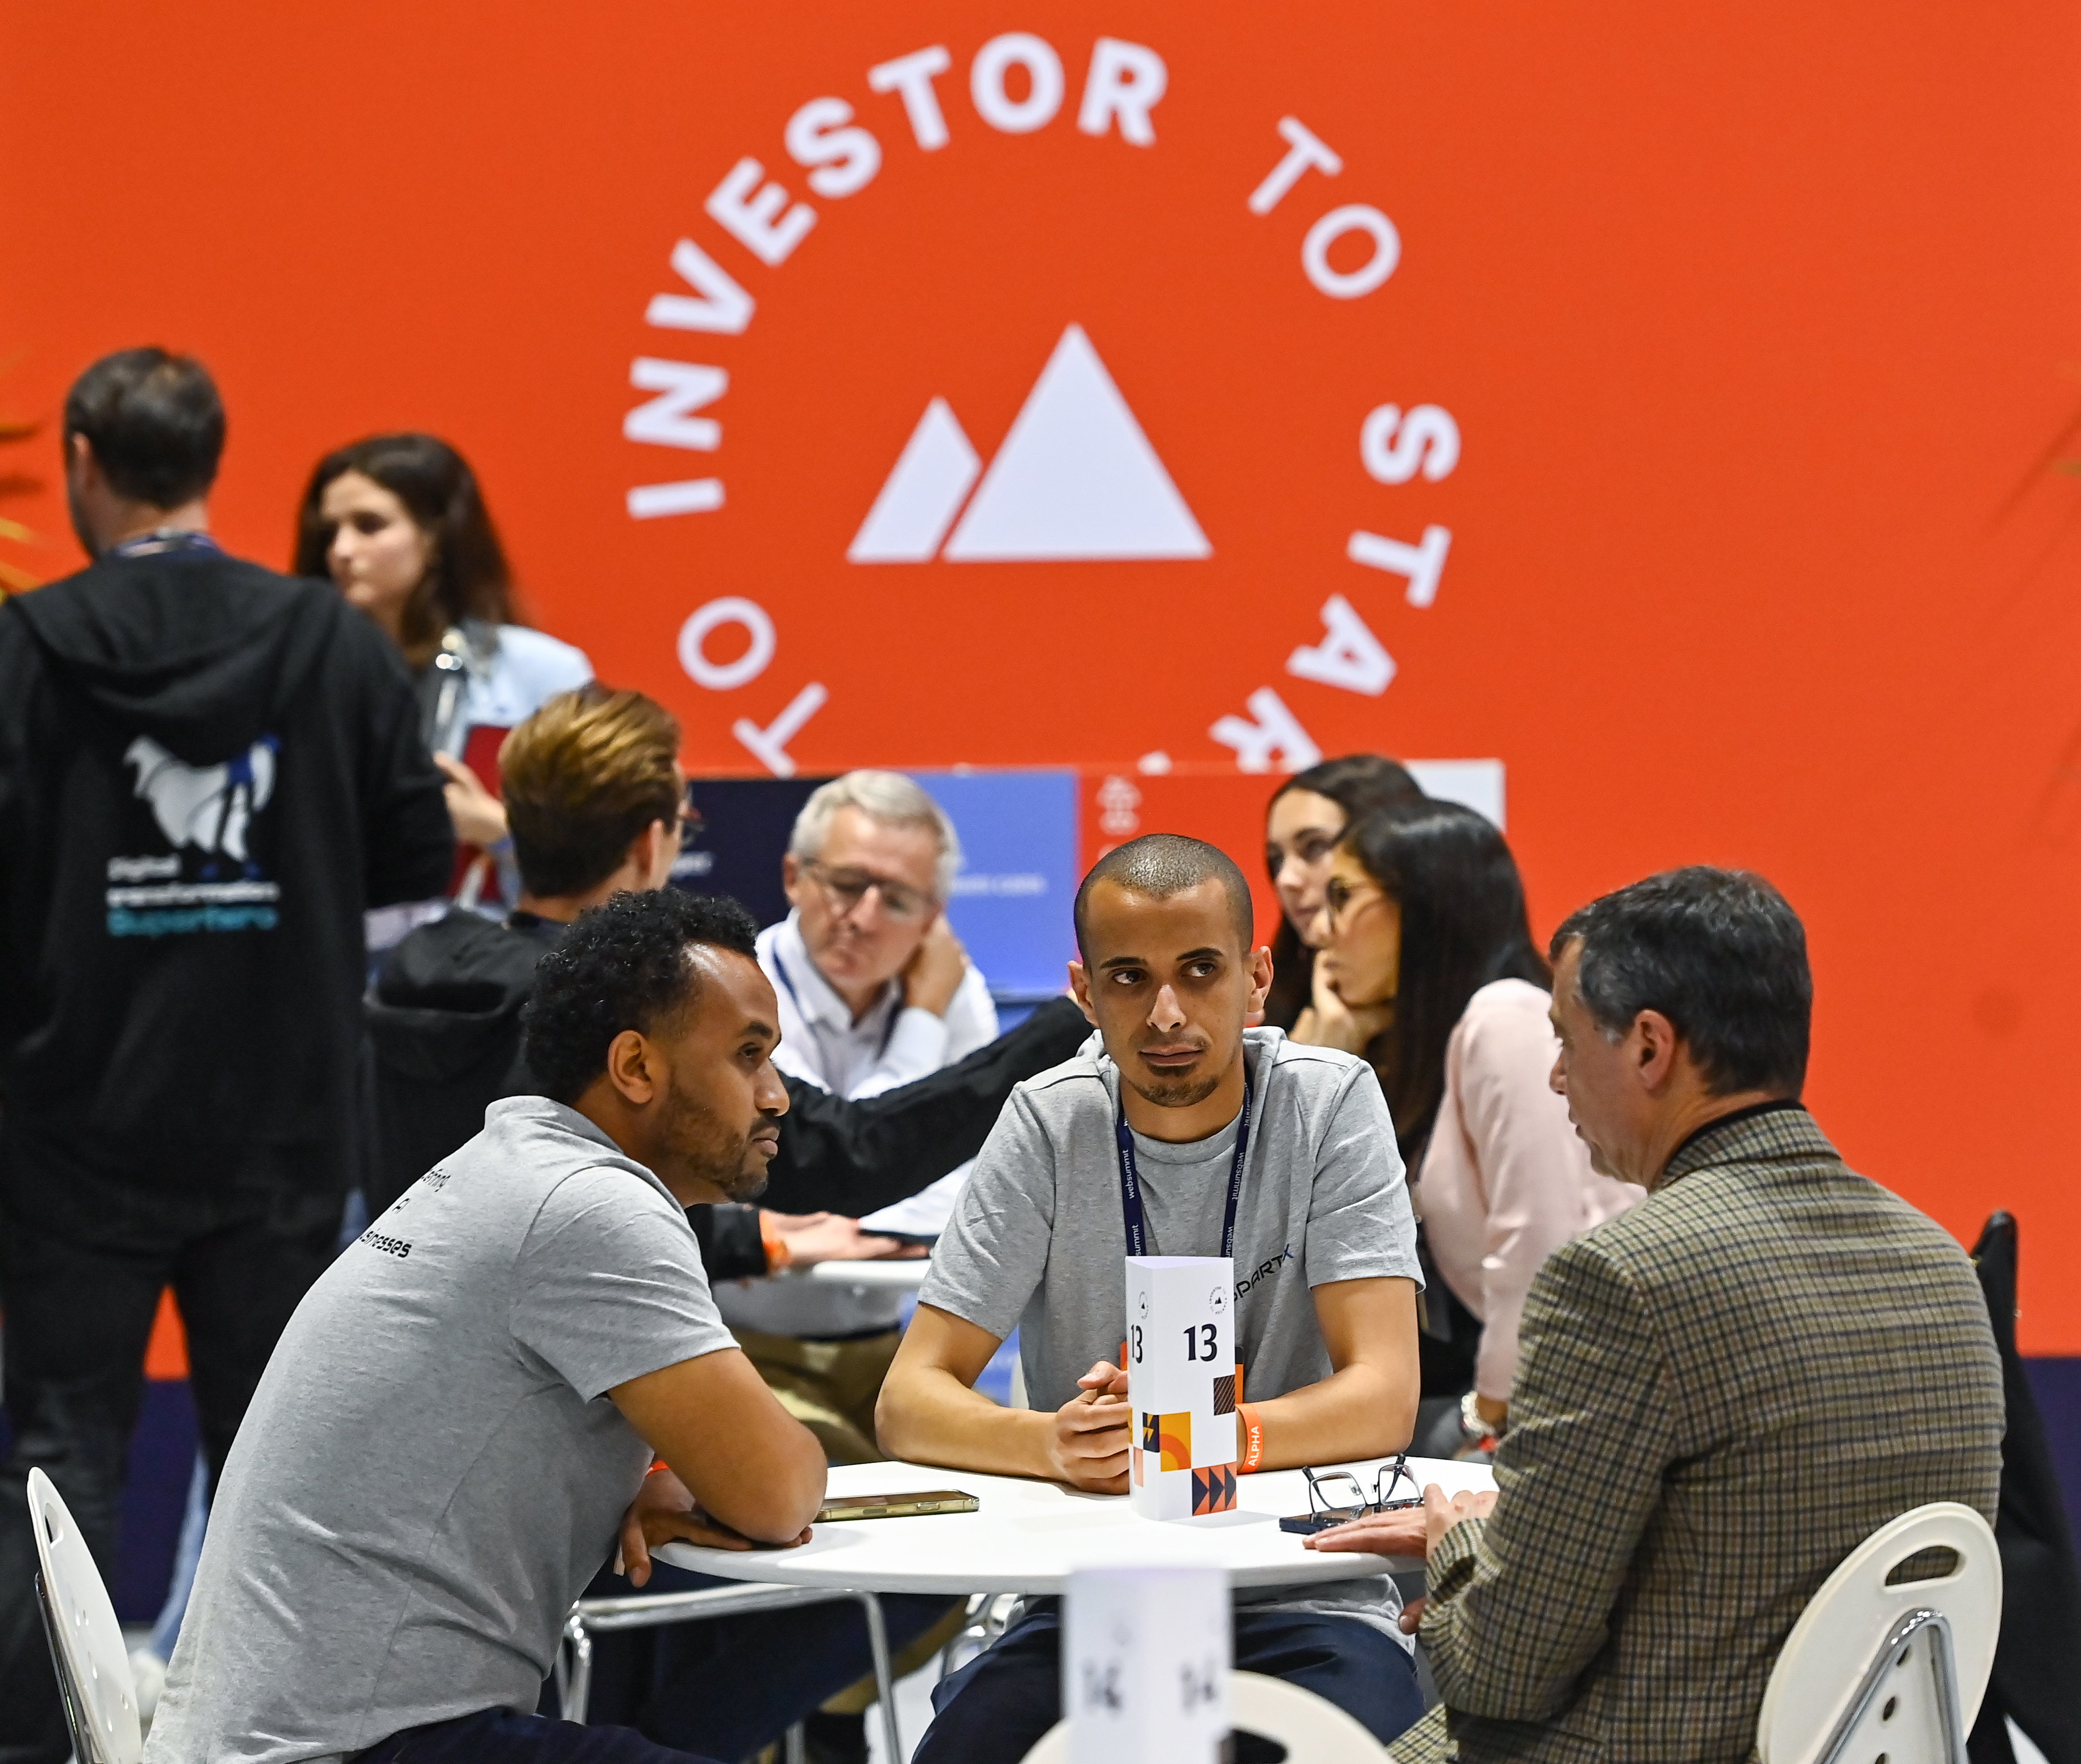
1412,1531
665,1511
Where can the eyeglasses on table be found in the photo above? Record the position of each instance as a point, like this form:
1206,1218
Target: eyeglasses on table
1338,1497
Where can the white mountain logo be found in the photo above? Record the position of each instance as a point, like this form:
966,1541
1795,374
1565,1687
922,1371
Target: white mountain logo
1076,480
209,806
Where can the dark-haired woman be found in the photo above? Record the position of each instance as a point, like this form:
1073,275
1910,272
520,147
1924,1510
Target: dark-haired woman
397,522
1434,960
1306,817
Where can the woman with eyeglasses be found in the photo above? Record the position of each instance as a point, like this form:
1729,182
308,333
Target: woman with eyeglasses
398,524
1444,993
1306,817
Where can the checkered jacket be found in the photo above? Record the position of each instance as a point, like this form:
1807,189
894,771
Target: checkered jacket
1720,1393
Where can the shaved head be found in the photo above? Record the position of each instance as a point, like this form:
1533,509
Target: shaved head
1161,864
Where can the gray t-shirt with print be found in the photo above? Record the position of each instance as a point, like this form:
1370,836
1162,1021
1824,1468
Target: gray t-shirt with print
430,1472
1038,1238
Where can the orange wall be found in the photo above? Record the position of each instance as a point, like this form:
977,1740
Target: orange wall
1761,327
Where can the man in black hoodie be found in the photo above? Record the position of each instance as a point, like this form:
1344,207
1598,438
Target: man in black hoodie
207,772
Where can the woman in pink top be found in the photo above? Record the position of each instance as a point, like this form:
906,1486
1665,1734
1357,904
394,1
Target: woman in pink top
1431,952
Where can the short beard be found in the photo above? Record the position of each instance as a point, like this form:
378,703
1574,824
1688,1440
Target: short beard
708,1151
1183,1094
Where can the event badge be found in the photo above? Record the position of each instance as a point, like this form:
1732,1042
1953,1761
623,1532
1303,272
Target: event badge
1181,1382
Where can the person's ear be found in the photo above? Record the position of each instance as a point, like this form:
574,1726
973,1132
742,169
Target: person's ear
83,468
1654,1042
632,1066
1261,978
790,879
1080,989
653,853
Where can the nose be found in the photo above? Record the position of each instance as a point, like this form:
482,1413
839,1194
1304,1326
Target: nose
1556,1080
1166,1014
768,1092
868,911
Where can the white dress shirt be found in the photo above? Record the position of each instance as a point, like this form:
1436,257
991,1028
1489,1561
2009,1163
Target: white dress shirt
892,1043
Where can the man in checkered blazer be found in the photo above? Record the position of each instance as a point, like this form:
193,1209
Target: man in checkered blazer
1719,1393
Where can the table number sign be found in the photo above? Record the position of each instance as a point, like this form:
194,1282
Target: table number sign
1146,1654
1181,1381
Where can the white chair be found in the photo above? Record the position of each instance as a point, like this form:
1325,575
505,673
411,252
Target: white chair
87,1642
1307,1726
1879,1669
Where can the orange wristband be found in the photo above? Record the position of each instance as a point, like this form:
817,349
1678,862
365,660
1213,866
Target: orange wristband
656,1465
778,1254
1251,1426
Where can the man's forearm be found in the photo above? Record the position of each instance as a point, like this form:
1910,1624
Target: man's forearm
1351,1415
931,1417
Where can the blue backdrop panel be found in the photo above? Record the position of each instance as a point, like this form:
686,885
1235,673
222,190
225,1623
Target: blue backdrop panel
1019,876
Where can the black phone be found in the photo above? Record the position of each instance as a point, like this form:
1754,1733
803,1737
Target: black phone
1308,1523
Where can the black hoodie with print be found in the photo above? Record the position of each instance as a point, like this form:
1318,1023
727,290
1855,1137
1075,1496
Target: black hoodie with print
207,772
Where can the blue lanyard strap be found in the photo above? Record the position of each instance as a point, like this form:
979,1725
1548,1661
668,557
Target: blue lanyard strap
1130,1181
166,539
888,1029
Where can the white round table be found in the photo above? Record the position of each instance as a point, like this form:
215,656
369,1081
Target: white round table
1029,1536
904,1275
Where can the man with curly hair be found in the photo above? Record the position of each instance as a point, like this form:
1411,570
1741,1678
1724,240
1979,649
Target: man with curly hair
429,1474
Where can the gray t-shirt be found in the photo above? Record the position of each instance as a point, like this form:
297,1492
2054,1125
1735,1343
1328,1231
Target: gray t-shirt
1038,1239
430,1471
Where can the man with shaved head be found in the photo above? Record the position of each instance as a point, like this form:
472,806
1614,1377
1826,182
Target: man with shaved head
1175,1132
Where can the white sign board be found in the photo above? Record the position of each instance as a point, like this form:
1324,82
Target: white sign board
1182,1381
1146,1654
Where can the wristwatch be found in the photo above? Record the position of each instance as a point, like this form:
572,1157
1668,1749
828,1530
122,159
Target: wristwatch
1473,1423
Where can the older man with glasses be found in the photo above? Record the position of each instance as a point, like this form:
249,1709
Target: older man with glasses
875,991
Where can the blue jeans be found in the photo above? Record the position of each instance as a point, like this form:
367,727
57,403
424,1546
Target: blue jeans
506,1736
995,1707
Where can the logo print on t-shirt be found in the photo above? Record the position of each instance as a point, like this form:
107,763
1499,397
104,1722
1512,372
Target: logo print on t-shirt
205,809
210,806
1075,480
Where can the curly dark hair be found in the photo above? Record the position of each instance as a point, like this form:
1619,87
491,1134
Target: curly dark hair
621,966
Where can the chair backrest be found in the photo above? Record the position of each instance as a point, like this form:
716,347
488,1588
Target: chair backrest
1838,1637
87,1642
1306,1724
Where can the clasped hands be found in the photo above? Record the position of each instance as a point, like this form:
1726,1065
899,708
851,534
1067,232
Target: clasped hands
1411,1531
1090,1435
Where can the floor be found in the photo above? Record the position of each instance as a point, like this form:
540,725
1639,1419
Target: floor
914,1714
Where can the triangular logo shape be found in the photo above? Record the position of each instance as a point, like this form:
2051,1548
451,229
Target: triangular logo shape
1076,480
924,494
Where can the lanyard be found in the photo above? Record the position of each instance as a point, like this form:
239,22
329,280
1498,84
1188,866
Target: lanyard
1130,1181
888,1029
165,538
